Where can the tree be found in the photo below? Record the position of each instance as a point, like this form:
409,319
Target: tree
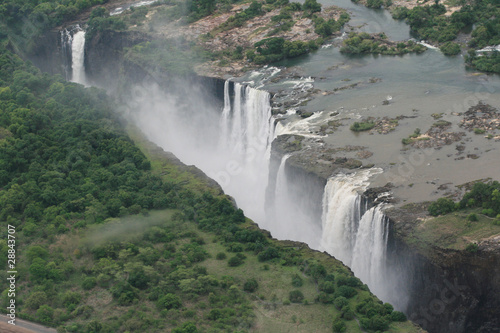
311,6
250,285
36,299
442,206
450,48
339,326
45,314
169,301
374,3
296,296
187,327
38,269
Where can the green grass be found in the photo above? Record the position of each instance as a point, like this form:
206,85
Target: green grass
454,231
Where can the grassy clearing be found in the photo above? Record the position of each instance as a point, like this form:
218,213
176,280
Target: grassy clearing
454,231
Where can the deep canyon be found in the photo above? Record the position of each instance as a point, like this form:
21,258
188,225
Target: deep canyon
310,179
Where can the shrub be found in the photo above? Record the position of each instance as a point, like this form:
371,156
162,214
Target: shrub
450,48
36,299
340,302
297,281
268,254
472,247
489,212
325,298
346,292
187,327
45,314
169,301
296,296
406,141
328,287
317,271
472,217
339,326
221,256
89,283
479,131
235,261
398,316
347,313
250,285
71,298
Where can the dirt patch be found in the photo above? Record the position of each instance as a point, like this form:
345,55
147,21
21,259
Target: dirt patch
482,119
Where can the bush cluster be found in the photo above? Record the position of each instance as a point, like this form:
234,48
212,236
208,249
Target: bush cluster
364,43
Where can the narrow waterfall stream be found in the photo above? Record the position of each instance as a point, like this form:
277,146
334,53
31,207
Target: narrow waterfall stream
78,57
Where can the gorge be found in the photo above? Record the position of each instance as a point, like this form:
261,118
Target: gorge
231,140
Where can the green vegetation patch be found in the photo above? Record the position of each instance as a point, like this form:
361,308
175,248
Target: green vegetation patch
276,48
450,48
362,126
364,43
455,230
429,23
458,223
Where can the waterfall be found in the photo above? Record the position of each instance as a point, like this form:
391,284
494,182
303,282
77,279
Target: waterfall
369,253
246,132
247,126
356,235
66,42
281,228
78,57
225,116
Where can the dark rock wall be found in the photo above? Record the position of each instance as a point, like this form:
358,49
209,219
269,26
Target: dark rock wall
449,290
46,54
104,58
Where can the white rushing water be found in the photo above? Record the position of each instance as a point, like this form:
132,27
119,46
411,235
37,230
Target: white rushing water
78,57
246,133
232,147
280,228
356,235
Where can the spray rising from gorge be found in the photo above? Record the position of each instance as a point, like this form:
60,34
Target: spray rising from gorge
234,148
232,145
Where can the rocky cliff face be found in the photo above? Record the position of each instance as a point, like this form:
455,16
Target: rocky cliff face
104,57
449,290
46,54
106,66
